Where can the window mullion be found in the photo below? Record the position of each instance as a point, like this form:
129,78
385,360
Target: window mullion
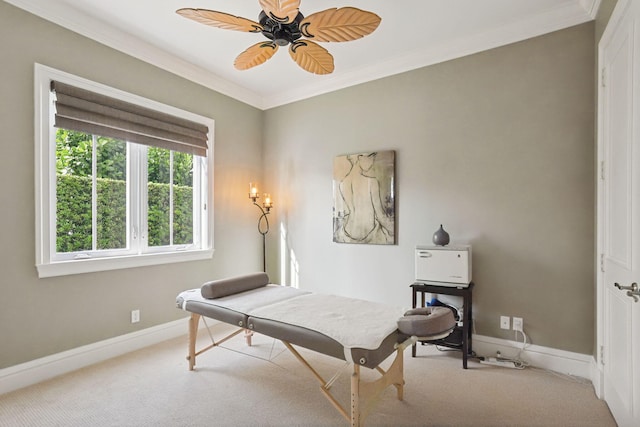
143,197
94,193
137,198
132,211
171,207
199,201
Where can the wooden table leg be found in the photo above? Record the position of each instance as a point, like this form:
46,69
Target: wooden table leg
248,333
194,320
355,396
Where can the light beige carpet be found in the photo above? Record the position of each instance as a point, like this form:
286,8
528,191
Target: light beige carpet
236,386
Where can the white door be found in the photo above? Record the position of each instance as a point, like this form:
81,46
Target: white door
619,220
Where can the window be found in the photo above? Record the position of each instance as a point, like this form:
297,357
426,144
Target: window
121,181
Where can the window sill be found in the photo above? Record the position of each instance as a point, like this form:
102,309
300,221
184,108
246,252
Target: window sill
65,268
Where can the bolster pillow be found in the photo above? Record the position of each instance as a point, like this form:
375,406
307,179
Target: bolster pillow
225,287
427,321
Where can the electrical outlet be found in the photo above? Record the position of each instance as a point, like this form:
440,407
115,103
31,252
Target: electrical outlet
505,322
517,324
135,316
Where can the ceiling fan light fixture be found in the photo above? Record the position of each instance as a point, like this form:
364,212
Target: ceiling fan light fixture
281,22
281,34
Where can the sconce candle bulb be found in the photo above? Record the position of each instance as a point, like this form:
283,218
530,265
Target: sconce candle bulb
253,192
267,204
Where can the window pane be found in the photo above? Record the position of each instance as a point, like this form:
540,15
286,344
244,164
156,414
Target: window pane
182,198
111,191
73,191
159,174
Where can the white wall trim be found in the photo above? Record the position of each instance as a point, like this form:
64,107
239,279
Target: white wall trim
557,19
591,7
35,371
94,29
561,361
567,15
38,370
597,378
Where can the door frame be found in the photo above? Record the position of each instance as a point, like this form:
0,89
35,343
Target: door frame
598,371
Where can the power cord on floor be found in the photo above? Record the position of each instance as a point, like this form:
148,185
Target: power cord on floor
510,362
517,360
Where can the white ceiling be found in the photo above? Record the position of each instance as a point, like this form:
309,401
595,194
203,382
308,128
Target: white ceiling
413,34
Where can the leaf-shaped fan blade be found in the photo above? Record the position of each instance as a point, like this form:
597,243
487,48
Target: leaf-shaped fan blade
339,25
257,54
220,20
311,57
284,11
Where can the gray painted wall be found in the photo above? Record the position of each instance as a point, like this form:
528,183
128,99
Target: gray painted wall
43,317
497,146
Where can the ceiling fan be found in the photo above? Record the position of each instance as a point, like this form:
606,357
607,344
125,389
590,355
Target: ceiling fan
282,23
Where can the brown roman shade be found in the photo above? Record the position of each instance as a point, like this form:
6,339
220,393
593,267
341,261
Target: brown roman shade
85,111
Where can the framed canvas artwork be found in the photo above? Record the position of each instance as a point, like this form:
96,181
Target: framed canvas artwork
364,198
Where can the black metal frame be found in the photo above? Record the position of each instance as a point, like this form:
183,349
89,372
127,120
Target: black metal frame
460,338
263,230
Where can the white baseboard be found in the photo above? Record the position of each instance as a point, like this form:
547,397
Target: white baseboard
35,371
597,378
561,361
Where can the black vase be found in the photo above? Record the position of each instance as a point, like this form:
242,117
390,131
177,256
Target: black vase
441,237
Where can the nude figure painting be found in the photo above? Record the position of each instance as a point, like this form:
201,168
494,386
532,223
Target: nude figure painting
364,198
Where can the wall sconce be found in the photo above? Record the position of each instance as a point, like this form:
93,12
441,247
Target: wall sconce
263,221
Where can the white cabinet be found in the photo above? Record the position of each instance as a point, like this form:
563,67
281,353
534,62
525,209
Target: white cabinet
450,265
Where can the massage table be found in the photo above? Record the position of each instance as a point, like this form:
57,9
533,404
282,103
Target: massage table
360,332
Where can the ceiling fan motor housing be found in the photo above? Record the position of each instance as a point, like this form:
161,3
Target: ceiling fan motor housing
282,34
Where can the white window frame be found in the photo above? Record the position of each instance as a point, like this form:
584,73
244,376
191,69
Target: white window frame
47,264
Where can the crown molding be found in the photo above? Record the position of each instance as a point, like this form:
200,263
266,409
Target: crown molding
591,7
565,16
87,26
553,20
